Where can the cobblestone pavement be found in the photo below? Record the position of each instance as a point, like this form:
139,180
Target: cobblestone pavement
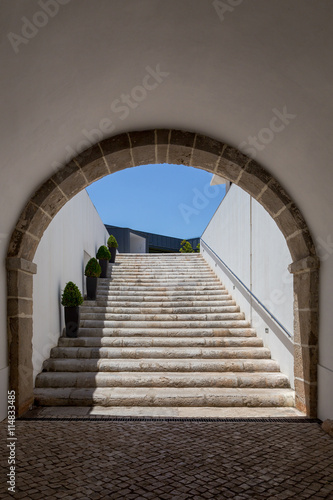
169,460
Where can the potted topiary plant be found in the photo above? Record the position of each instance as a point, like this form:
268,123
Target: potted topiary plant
71,299
103,255
113,245
92,271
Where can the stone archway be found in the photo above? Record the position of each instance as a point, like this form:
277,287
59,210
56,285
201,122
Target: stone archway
174,147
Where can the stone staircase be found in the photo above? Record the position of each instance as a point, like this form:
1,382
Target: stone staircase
163,332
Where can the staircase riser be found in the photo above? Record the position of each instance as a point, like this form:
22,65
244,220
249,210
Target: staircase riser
265,380
93,311
153,301
160,342
149,365
171,401
162,317
165,324
160,353
166,332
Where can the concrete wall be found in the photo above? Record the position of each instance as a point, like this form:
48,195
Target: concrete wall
138,244
247,239
71,239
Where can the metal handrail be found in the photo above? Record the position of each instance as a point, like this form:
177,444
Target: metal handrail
249,291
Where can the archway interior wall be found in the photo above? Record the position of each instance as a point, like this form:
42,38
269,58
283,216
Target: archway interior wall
161,146
73,237
246,238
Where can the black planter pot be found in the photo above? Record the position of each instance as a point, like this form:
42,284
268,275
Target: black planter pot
113,252
72,320
91,287
104,265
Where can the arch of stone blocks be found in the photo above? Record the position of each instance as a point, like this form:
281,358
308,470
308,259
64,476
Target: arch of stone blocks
149,147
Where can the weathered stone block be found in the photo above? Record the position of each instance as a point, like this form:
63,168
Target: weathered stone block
274,198
28,247
306,290
254,178
95,170
20,356
143,147
88,156
235,156
114,144
305,362
117,152
162,145
181,147
49,198
306,397
228,170
301,245
17,306
70,179
290,220
15,263
15,243
34,220
306,327
19,284
308,263
206,153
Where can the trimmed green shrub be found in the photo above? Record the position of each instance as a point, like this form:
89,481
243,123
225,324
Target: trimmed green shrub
103,253
93,268
112,242
71,296
186,247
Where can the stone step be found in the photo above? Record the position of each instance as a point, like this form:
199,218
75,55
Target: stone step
95,310
161,301
161,288
158,271
162,317
155,306
195,274
161,352
166,332
87,323
160,342
158,295
165,379
160,365
163,396
156,278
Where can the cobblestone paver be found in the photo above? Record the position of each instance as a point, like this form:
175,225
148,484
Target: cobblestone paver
181,460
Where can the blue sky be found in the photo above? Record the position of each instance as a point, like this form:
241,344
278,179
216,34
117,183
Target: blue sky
173,200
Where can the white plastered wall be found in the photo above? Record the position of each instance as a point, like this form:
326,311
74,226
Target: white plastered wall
137,243
73,237
247,239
